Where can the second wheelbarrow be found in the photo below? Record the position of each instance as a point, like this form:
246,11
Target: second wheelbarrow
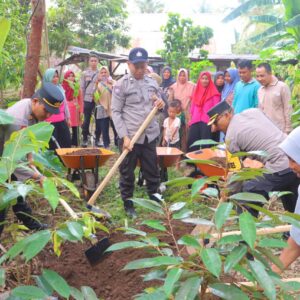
87,162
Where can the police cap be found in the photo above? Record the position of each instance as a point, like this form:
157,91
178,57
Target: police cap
217,110
51,96
137,55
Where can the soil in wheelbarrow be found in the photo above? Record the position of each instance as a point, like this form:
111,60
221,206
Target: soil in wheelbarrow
85,152
106,278
221,161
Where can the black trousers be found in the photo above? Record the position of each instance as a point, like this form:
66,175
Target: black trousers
74,140
200,131
62,134
102,127
284,181
116,138
146,153
88,108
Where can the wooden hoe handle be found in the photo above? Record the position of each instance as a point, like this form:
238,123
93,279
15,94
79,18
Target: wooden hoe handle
115,167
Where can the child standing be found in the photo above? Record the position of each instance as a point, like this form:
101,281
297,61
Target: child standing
171,126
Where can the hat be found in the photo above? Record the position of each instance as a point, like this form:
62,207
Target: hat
291,145
217,110
51,96
137,55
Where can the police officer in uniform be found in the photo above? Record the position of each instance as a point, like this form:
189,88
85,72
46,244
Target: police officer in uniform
88,83
134,96
45,102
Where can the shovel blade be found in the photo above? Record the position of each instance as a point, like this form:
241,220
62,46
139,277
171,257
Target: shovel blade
95,253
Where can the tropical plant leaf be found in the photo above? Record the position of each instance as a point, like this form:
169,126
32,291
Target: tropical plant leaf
204,142
248,228
155,224
249,197
75,229
189,240
182,181
246,7
150,205
36,243
198,185
262,277
76,294
294,22
273,29
29,292
234,257
212,260
272,243
4,30
125,245
2,277
198,221
189,289
184,213
228,292
269,19
173,276
152,262
57,283
229,239
88,293
177,206
5,118
222,213
51,193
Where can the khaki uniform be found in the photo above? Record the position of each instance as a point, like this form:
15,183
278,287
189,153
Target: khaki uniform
88,83
131,104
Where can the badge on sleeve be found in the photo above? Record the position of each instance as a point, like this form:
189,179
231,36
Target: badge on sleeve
117,90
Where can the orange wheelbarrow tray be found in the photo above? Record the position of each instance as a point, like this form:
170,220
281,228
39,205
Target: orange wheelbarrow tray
88,161
168,156
208,170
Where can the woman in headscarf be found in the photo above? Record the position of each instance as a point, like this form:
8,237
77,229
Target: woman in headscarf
75,103
219,81
183,91
102,98
205,96
231,79
167,80
61,121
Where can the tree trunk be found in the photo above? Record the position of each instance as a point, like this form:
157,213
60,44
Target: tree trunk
34,48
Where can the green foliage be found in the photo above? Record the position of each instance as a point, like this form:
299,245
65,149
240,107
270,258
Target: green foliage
244,255
98,25
12,58
150,6
181,37
197,67
4,27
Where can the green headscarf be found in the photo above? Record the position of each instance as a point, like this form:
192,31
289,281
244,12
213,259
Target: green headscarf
48,77
49,74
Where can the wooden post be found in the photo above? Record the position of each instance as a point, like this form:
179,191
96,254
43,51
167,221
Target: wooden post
34,48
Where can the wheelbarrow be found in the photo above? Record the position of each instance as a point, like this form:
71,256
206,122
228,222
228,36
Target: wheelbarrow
209,169
166,158
86,161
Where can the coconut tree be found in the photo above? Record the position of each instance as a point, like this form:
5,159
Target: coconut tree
150,6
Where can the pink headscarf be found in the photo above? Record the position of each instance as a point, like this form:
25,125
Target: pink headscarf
183,92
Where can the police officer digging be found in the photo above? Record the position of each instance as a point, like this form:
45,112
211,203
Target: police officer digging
133,98
45,102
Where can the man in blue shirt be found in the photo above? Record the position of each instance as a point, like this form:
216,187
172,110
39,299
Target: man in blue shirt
245,92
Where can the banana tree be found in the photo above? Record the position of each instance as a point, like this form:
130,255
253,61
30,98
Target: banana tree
283,29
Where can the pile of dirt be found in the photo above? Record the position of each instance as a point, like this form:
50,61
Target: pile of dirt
221,161
106,278
85,152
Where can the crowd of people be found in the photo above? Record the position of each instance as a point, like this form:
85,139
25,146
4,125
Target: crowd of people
248,114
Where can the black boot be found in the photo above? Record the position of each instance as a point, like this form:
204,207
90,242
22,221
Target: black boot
156,197
129,209
24,213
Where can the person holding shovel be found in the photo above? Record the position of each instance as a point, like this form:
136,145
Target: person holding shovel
45,102
249,131
291,147
132,100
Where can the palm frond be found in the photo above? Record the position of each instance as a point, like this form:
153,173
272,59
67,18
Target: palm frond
278,36
268,19
273,29
247,6
294,22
